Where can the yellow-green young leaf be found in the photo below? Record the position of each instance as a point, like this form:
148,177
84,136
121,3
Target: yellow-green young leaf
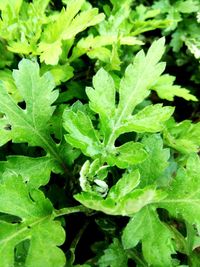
66,26
92,45
34,223
150,119
28,168
165,89
81,132
156,238
114,256
126,155
60,73
184,193
14,4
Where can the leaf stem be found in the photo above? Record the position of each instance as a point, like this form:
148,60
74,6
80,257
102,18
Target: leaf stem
69,210
133,254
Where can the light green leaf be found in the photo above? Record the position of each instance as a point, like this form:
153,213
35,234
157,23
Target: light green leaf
126,155
127,205
81,132
149,119
165,89
156,238
183,198
114,256
36,225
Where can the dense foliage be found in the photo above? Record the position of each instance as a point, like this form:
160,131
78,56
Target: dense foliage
99,133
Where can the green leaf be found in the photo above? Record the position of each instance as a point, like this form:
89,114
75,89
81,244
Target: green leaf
166,90
187,6
81,132
150,119
102,99
5,131
31,124
133,89
29,168
36,225
183,136
183,198
126,155
125,185
157,157
156,238
37,93
114,256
